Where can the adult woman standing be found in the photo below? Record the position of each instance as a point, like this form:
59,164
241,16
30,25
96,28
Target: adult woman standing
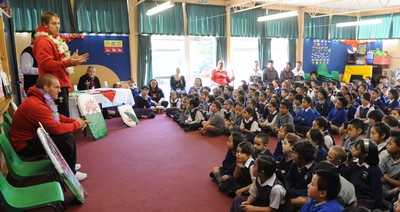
156,94
177,82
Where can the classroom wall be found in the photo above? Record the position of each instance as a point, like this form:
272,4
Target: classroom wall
332,52
111,67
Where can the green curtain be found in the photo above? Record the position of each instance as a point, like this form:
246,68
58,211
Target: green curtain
376,31
167,22
26,14
206,20
316,27
343,32
221,49
102,16
292,52
244,24
281,28
396,25
144,66
264,51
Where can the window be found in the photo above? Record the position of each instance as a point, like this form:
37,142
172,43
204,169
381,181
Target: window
201,59
167,55
279,53
244,51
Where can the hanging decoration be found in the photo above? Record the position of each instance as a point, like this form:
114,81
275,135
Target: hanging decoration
71,36
355,43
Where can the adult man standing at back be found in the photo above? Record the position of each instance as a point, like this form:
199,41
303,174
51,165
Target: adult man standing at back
53,56
270,74
29,65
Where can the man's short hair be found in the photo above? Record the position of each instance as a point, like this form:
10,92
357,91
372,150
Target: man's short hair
46,17
45,80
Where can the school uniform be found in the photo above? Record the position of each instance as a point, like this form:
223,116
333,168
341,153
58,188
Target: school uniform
337,117
228,164
217,121
391,104
262,108
324,107
344,170
193,122
304,119
280,119
252,125
321,154
392,168
331,206
284,165
383,153
367,183
244,179
347,195
378,103
351,111
363,111
278,152
264,152
328,139
298,178
349,143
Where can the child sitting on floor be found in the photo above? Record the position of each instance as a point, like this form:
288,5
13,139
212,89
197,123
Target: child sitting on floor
323,191
366,175
267,192
374,117
390,167
249,125
283,117
235,125
260,144
338,114
338,157
222,173
284,130
380,132
242,177
300,172
215,124
304,119
316,136
355,131
321,123
193,122
287,147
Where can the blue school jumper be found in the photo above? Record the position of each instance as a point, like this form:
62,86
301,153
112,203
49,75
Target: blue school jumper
364,111
321,154
278,152
391,104
329,206
297,179
324,107
308,116
378,102
344,170
229,163
367,184
337,117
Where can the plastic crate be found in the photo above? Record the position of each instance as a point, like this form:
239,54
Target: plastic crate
381,60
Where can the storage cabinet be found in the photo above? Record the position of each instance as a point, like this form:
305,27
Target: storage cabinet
377,73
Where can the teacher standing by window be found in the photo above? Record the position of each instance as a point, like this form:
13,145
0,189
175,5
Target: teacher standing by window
220,76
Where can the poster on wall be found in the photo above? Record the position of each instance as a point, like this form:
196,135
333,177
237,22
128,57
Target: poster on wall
113,47
321,51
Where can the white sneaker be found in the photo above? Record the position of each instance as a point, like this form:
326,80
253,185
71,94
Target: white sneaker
80,176
77,166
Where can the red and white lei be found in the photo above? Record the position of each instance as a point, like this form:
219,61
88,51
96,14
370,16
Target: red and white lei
62,47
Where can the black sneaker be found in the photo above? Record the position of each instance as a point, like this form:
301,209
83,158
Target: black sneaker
222,187
212,175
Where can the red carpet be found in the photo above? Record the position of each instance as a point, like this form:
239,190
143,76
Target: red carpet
154,166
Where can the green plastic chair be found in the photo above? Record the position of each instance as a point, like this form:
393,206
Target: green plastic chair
307,77
21,170
7,118
37,196
322,72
